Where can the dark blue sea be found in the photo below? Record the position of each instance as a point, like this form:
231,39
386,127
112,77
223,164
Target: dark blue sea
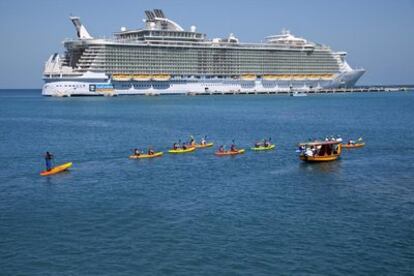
261,213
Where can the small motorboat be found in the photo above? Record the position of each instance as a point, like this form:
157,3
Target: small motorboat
298,94
320,151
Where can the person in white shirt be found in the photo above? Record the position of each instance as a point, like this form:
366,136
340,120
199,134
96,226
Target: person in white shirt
309,152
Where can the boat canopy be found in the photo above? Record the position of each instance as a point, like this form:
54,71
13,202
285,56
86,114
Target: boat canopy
319,143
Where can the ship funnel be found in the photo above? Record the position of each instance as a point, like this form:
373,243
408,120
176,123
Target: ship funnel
80,29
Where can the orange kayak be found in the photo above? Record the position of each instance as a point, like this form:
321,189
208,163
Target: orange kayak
353,146
229,152
57,169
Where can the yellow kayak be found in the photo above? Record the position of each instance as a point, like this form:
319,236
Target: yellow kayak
262,148
207,145
57,169
177,151
142,156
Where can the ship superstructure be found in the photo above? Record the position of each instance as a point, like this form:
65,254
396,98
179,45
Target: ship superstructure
163,58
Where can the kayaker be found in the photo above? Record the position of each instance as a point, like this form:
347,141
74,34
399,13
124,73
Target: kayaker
233,147
137,152
335,149
48,159
265,143
257,145
184,146
175,146
203,141
150,151
192,141
221,148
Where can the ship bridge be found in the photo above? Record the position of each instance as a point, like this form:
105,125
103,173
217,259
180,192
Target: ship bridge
286,38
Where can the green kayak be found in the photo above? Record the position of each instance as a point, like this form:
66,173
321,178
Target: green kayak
261,148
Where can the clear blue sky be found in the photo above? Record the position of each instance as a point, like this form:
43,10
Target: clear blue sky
378,35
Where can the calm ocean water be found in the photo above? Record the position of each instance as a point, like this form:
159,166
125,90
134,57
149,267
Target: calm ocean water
196,214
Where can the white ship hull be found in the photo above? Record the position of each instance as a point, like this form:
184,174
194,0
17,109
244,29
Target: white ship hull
101,85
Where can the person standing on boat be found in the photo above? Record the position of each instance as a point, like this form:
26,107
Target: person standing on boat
48,159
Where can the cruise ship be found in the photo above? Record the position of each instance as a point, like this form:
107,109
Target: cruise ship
163,58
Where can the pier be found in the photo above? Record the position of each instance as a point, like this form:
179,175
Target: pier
359,89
